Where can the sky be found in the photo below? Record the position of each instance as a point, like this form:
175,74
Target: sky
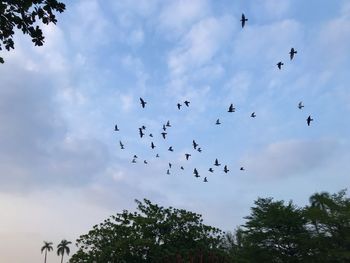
61,167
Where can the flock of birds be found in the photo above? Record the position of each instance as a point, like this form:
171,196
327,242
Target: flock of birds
195,145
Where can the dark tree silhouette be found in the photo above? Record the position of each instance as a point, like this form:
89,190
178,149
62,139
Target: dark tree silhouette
46,247
24,15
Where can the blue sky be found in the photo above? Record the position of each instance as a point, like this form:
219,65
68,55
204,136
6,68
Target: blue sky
61,166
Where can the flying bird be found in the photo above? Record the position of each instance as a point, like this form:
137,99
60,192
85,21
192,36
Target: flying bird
157,155
187,155
179,105
243,20
194,144
135,156
170,165
164,128
242,168
163,134
309,120
171,149
218,122
145,162
205,180
116,128
211,170
141,132
121,145
152,145
133,161
300,105
253,115
168,124
182,168
292,53
199,149
216,163
279,65
195,172
167,171
151,135
143,103
143,127
187,103
231,108
225,169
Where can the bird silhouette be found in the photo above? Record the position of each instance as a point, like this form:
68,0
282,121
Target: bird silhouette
216,163
133,161
231,108
141,132
292,53
143,103
145,162
157,155
199,149
152,145
187,103
225,169
121,145
170,165
135,156
168,124
243,20
205,180
164,128
218,122
194,144
187,155
211,170
116,128
253,115
242,168
163,134
309,120
182,168
195,172
179,105
300,105
167,171
151,135
171,149
279,65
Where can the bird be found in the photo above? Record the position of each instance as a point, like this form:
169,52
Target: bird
133,161
157,155
309,120
167,171
187,103
300,105
194,144
121,145
179,105
279,65
225,169
163,134
187,155
152,145
231,108
116,128
171,149
135,156
218,122
292,53
170,165
168,124
151,135
143,127
141,132
195,172
164,128
205,180
211,170
243,20
182,168
145,162
199,149
253,115
242,168
216,163
143,103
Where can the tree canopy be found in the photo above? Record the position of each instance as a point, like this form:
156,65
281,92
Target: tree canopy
25,15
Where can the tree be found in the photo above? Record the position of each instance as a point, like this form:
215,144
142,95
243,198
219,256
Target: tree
152,234
47,247
63,248
24,15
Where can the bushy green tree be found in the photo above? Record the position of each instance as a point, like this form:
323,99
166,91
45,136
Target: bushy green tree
25,15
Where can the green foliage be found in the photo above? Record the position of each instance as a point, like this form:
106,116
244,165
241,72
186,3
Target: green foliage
23,15
63,248
151,234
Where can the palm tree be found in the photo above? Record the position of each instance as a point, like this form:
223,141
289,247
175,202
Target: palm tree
47,247
63,248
